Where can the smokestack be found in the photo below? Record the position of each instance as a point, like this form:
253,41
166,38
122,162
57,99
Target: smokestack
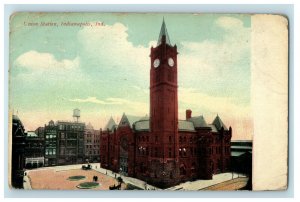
188,114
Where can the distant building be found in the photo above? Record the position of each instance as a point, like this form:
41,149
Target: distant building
161,149
51,144
241,156
70,142
40,131
92,144
18,149
34,150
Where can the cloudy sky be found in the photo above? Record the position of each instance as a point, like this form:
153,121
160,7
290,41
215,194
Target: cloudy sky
104,70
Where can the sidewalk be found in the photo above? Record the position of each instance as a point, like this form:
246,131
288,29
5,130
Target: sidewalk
201,184
191,186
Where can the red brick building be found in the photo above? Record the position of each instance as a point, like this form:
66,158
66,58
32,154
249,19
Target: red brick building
161,149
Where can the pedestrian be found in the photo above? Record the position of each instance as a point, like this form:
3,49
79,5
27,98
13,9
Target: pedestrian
115,175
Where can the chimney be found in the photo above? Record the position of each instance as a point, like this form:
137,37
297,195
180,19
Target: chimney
188,114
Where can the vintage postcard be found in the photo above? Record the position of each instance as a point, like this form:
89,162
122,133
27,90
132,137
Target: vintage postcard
129,101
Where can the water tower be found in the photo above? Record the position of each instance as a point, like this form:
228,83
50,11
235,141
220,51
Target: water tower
76,115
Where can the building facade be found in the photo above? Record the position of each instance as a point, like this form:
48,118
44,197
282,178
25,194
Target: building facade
64,143
241,156
51,144
18,150
34,150
161,149
70,142
92,144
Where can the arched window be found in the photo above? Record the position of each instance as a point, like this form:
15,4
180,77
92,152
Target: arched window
193,167
182,170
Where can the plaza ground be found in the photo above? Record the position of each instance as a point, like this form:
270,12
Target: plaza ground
56,178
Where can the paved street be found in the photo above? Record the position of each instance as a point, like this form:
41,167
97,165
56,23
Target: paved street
234,184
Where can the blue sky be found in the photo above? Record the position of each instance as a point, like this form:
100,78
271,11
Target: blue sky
104,70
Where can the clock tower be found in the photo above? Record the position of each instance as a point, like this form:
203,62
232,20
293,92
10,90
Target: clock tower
164,109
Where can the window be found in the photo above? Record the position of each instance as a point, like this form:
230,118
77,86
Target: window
170,152
62,151
182,170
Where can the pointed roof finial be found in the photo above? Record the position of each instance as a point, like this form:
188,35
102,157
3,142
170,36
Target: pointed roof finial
163,32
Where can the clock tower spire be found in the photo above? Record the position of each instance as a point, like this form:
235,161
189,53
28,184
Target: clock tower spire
163,33
164,108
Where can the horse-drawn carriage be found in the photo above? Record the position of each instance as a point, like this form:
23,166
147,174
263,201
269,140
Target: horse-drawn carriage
86,167
114,187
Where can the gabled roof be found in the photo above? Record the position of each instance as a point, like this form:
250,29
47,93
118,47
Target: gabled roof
219,123
128,120
142,125
163,32
213,128
89,126
198,121
111,124
185,125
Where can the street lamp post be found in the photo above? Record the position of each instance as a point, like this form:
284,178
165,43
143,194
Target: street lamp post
120,171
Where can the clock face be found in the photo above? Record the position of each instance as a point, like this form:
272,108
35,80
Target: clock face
171,62
156,63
